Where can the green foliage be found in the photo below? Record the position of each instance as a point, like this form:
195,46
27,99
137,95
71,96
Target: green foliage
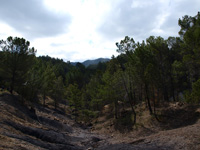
76,75
125,122
126,46
195,95
74,97
87,115
190,29
31,88
180,76
48,78
17,60
187,96
60,67
57,90
93,89
155,69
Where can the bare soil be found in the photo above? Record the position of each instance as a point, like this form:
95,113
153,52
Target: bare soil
179,128
45,128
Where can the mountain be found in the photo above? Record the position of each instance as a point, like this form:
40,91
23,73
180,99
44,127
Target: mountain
92,62
95,61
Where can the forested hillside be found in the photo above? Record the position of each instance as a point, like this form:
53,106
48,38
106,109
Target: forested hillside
154,72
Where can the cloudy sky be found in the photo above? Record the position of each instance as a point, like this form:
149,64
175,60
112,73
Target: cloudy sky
77,30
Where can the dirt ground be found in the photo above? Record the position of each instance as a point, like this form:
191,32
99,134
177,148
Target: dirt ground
45,128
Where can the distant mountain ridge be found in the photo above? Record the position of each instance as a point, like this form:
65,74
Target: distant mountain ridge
95,61
92,62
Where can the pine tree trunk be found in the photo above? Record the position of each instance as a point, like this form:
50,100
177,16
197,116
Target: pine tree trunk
148,100
44,99
116,109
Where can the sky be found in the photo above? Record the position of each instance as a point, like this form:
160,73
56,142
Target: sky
77,30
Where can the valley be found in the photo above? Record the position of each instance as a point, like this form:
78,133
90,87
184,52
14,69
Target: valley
47,128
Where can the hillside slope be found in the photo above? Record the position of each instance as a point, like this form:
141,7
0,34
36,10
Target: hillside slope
179,129
47,128
21,128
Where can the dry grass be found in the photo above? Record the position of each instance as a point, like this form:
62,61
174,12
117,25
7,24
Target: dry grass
181,132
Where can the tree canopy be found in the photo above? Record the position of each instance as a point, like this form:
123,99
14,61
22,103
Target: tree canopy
153,71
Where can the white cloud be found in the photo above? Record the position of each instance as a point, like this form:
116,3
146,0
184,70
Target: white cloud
86,29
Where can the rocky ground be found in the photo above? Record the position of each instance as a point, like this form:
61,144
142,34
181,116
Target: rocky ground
46,128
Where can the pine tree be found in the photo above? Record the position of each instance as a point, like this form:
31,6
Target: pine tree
17,60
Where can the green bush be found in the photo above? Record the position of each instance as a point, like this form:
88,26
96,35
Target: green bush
87,115
195,95
187,96
124,122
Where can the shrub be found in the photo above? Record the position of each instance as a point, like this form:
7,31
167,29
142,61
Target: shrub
195,95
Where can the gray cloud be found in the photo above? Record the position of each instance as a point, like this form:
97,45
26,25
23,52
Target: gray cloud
145,18
32,18
189,7
124,19
178,11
